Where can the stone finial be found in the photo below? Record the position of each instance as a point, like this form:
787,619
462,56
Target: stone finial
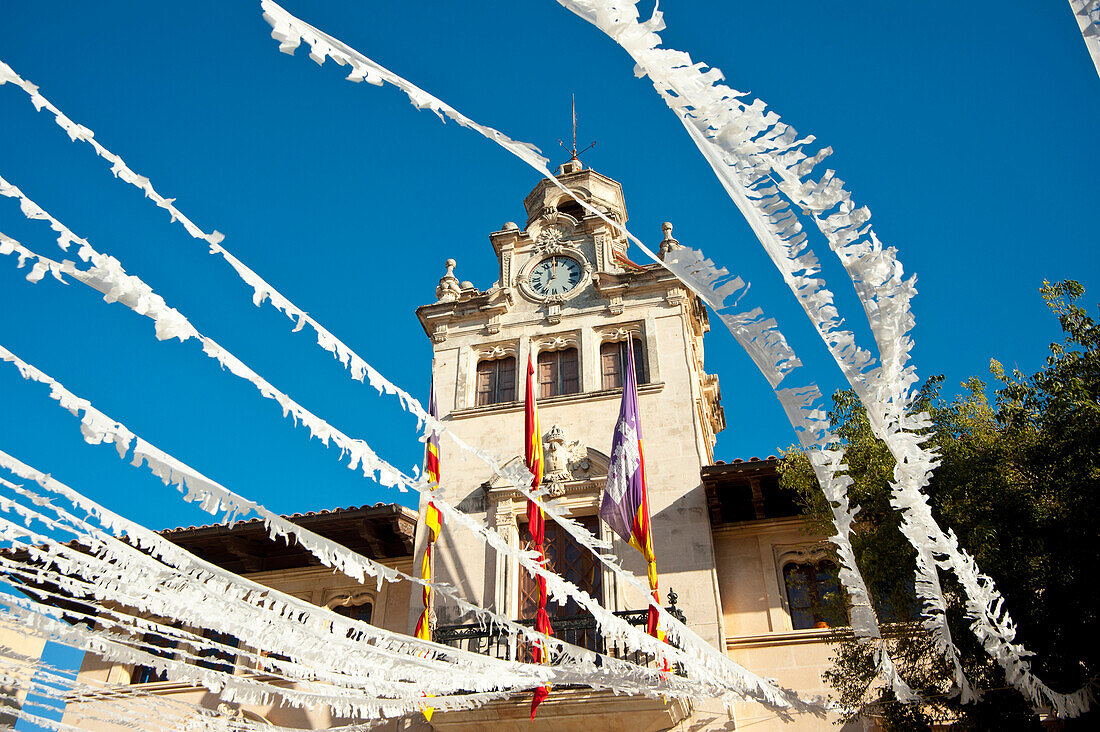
669,242
510,226
448,290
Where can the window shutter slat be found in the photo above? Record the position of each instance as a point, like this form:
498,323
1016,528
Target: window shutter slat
570,373
506,380
609,366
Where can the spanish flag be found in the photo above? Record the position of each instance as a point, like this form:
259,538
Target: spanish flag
536,521
433,521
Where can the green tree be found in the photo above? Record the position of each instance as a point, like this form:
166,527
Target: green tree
1020,486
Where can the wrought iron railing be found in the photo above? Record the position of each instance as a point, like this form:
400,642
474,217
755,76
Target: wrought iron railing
578,630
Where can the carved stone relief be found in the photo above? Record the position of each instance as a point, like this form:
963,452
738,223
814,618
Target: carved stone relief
562,457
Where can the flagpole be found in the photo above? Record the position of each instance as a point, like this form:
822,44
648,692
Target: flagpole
536,522
433,522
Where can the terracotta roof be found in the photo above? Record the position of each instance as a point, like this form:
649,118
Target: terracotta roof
746,490
383,531
292,516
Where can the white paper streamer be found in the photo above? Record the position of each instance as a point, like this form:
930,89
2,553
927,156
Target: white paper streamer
116,571
262,290
107,276
1087,15
98,427
760,160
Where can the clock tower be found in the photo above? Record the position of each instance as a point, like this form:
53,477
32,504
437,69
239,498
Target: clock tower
567,296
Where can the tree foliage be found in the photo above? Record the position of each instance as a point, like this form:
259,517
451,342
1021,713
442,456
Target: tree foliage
1019,484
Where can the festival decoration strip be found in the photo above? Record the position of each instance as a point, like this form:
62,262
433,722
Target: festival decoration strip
717,680
710,113
536,522
1087,15
758,157
262,290
117,571
157,571
108,277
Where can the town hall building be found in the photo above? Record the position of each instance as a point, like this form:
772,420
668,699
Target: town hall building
733,559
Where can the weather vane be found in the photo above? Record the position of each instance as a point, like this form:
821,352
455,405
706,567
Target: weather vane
574,152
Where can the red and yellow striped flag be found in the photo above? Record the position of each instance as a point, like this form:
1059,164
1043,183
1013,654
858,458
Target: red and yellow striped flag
536,521
433,521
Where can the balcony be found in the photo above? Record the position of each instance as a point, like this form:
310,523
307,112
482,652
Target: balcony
578,630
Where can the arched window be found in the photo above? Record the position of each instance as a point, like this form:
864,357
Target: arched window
359,610
613,360
813,595
356,608
496,381
558,373
570,207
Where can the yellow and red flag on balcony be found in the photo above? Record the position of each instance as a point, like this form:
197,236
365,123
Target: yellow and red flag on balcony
433,521
536,521
625,504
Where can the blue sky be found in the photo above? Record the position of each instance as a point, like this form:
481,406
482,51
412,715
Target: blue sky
971,136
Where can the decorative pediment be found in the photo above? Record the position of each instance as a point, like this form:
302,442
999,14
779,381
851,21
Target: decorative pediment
499,482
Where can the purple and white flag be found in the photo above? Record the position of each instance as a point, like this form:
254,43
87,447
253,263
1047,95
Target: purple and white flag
625,506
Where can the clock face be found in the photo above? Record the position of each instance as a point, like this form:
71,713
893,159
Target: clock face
555,276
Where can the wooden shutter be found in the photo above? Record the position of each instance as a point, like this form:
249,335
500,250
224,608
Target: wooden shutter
640,374
559,373
611,375
569,378
496,381
548,374
506,380
613,364
486,382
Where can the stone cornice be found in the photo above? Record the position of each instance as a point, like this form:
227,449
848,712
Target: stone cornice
652,277
764,526
788,638
568,488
